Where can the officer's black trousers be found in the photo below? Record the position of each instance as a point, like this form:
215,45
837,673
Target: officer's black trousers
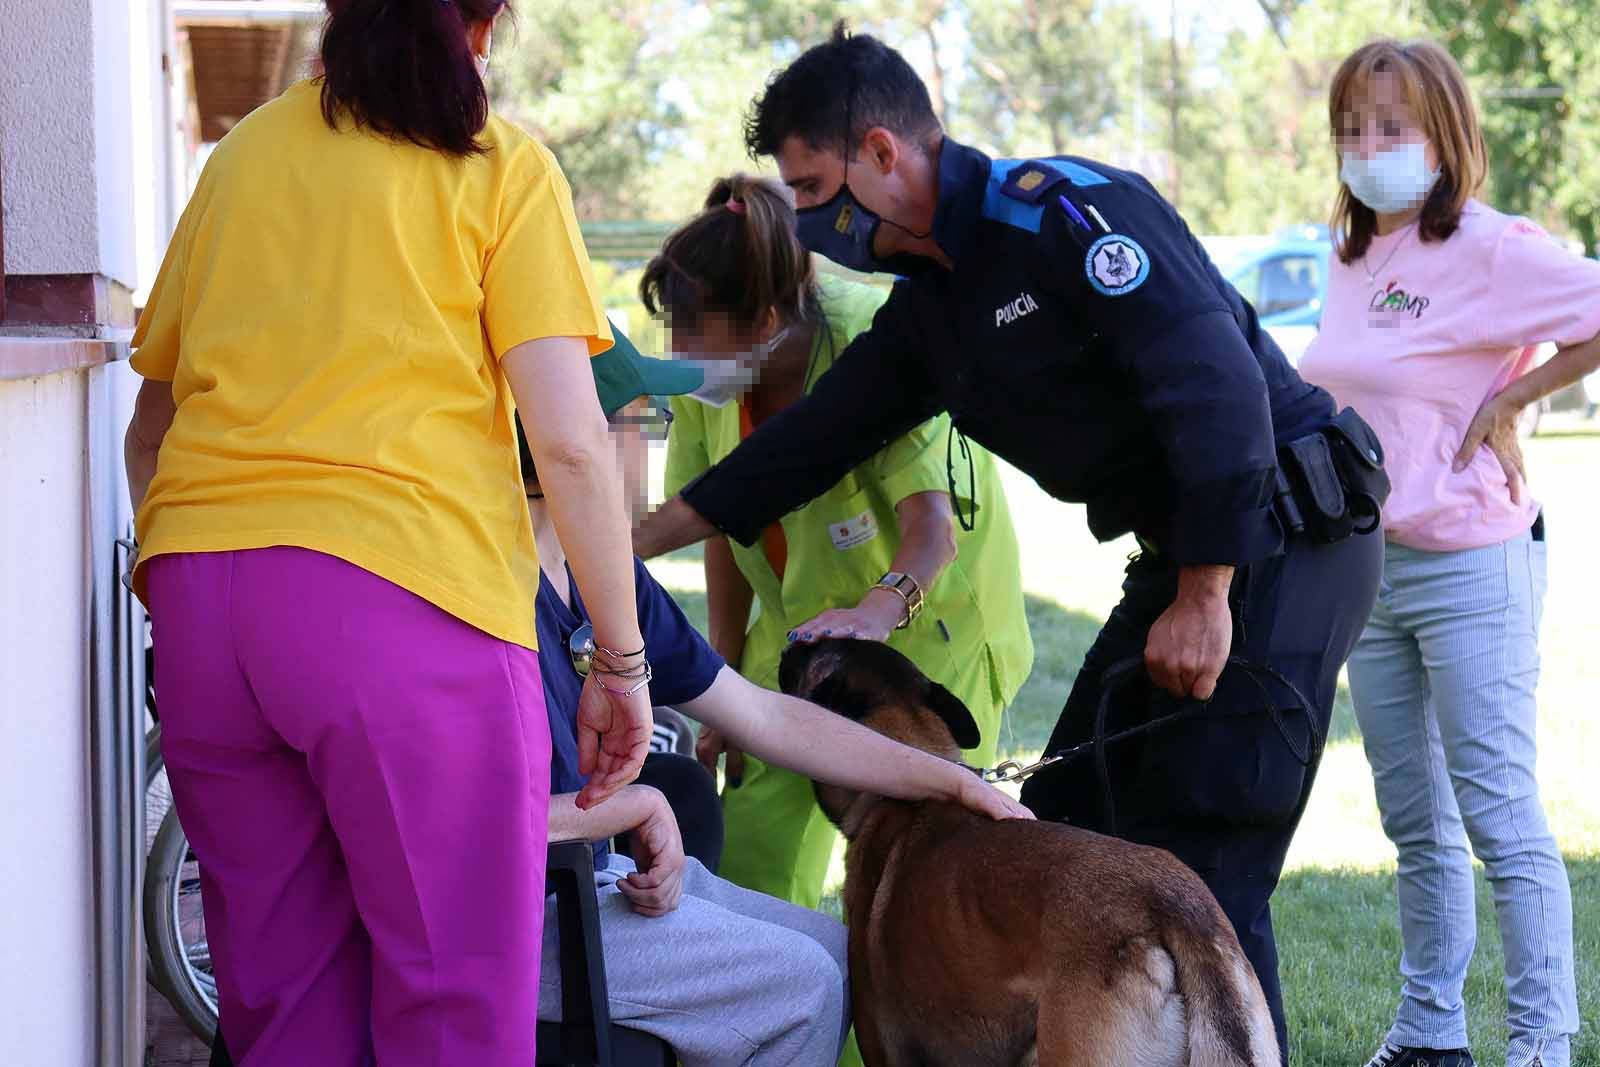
1224,791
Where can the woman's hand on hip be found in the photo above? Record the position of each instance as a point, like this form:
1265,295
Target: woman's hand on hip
1495,425
613,738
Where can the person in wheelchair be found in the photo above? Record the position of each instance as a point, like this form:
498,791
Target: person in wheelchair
722,974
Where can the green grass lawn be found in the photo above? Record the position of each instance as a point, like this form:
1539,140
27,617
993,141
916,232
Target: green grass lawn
1335,912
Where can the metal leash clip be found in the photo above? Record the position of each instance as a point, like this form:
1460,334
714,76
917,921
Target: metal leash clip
1012,771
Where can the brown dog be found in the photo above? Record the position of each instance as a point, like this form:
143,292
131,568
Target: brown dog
986,943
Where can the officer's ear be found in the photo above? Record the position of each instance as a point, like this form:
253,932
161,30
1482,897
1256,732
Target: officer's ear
880,149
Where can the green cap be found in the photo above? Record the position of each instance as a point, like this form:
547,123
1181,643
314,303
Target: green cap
622,375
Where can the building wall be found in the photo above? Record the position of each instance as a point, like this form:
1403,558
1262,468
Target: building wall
47,131
118,123
46,957
75,97
82,119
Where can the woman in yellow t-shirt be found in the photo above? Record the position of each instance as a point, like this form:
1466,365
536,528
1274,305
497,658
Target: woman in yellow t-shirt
337,557
889,553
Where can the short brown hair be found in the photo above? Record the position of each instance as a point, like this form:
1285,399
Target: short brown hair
739,256
1436,91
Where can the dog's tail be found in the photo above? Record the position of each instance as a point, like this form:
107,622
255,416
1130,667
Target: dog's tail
1228,1021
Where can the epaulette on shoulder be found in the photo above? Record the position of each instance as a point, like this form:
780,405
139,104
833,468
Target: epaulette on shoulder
1030,180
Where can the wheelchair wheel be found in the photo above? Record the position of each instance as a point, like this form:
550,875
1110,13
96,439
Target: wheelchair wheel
175,930
157,803
157,794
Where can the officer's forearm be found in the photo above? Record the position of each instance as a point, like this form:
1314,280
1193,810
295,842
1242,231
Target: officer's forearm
670,527
1204,583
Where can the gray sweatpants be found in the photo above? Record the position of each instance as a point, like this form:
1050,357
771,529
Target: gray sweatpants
729,977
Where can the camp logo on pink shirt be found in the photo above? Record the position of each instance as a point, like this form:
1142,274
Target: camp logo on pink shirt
1393,300
1418,348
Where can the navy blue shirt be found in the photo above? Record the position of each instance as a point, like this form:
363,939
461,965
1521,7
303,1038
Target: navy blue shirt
1082,334
684,664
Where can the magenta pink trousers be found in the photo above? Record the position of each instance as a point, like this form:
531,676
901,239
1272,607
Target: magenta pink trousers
364,780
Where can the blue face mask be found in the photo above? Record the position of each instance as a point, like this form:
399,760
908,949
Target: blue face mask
1390,182
842,230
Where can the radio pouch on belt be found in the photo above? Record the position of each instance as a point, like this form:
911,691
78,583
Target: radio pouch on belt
1337,477
1358,454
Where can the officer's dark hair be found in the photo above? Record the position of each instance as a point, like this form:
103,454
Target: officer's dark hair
852,78
1437,93
739,256
404,69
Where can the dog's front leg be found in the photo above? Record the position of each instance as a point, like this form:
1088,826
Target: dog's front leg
865,1006
869,1037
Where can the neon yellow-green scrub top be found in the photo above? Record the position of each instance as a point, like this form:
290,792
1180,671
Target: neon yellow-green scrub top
971,636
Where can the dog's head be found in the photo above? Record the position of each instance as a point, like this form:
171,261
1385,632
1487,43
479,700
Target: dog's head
871,683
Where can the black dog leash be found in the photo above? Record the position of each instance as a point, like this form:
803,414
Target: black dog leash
1116,677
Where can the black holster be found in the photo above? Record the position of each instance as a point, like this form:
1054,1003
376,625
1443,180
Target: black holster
1331,483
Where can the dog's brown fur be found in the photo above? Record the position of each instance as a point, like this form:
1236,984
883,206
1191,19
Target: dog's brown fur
975,942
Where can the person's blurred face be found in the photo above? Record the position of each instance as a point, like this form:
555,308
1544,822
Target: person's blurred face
716,335
1379,119
632,428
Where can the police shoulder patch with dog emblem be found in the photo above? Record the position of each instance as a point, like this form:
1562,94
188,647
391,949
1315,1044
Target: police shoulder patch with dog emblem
1116,265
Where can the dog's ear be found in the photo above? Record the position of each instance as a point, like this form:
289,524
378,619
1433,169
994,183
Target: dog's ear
946,705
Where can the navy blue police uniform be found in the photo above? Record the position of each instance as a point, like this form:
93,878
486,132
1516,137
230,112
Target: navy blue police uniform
1083,334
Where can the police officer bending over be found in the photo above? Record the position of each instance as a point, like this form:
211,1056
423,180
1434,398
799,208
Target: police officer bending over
1063,314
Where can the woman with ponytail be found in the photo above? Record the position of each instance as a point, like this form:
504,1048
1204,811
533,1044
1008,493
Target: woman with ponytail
914,547
373,270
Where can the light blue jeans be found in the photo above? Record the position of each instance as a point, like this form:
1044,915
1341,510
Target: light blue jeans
1443,680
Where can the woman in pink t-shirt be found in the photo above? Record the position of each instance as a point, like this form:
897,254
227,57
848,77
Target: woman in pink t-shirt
1435,302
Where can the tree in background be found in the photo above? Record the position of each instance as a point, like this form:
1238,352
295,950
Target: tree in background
1259,155
1572,28
1049,76
643,100
587,80
1527,62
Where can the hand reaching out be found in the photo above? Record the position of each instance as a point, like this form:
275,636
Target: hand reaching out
613,738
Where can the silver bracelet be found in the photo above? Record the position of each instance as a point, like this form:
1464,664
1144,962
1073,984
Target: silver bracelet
640,684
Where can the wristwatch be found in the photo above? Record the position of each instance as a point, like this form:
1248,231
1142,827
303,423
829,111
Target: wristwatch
906,588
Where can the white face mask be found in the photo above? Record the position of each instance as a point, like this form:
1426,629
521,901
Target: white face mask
728,379
1390,182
